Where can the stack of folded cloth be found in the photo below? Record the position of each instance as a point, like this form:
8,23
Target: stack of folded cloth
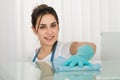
57,65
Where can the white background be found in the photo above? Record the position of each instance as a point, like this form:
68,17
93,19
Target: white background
80,20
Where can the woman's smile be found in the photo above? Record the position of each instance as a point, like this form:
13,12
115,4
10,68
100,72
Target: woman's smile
49,38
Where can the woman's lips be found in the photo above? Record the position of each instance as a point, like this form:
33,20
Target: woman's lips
49,38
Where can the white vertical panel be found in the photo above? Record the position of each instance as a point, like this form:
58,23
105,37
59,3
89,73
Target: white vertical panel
86,20
7,31
95,27
35,2
76,20
66,20
26,28
18,27
114,15
104,15
48,2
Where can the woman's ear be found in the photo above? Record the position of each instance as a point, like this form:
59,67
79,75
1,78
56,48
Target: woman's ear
34,31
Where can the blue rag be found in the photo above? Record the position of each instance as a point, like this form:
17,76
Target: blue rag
57,65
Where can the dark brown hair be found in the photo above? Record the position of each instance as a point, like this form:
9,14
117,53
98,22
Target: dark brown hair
41,10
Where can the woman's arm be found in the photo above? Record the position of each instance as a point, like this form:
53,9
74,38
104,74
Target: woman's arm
74,46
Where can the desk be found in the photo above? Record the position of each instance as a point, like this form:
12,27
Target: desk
42,71
110,70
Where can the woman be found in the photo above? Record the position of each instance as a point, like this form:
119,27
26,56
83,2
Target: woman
45,25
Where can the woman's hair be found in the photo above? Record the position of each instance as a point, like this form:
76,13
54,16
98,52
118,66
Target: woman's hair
41,10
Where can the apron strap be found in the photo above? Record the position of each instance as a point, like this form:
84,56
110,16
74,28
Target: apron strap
52,56
53,53
36,54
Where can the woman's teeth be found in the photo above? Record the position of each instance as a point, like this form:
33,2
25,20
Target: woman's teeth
49,38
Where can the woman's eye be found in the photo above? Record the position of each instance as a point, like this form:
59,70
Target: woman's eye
42,27
53,25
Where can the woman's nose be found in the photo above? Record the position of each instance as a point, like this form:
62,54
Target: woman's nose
49,31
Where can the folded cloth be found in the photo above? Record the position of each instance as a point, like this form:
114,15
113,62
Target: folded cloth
57,65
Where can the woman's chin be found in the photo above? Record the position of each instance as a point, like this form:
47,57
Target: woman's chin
50,43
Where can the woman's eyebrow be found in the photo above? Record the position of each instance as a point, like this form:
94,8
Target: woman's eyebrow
42,24
53,22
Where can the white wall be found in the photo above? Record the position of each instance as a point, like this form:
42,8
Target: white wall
7,30
81,20
110,15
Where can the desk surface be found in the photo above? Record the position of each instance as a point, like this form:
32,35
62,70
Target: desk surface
42,71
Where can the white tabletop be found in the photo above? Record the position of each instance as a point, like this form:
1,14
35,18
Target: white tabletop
41,71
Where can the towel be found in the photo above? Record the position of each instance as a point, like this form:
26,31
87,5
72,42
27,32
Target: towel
57,66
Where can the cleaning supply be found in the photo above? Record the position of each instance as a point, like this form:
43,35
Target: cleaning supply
59,67
84,53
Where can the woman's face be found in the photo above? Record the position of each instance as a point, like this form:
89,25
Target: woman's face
47,29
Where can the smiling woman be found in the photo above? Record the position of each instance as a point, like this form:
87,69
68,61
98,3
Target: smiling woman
45,25
47,30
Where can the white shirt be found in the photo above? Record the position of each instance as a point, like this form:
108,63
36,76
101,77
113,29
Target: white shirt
62,49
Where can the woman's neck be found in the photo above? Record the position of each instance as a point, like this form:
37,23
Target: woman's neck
44,51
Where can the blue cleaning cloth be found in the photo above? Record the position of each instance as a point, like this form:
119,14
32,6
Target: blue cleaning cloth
57,65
